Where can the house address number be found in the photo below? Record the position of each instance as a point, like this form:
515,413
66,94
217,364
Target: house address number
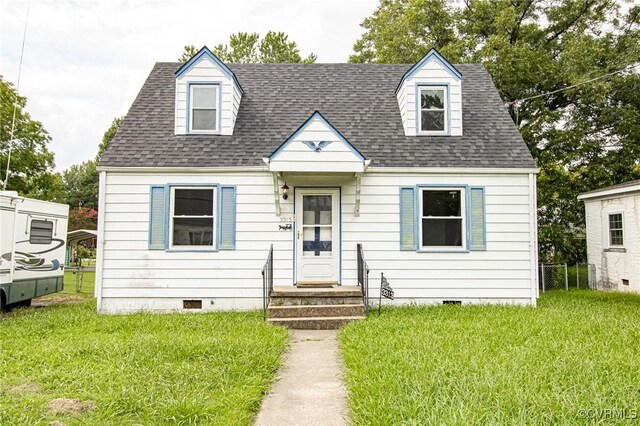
286,223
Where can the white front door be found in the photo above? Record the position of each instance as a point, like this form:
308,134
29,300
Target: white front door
317,235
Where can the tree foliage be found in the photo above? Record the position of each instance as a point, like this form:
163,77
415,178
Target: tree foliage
31,168
581,138
275,47
108,136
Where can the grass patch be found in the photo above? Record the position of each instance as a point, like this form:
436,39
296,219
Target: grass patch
577,350
86,285
145,368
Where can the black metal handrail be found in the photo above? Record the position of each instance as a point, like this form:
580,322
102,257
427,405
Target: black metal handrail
267,282
363,277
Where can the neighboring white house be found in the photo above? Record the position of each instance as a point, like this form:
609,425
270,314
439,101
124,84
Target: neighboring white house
421,164
613,235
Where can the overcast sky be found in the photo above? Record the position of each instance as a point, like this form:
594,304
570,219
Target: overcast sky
86,60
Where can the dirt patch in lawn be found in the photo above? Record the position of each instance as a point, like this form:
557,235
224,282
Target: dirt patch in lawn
26,387
70,406
57,299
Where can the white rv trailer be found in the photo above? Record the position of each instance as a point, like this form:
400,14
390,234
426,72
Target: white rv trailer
32,248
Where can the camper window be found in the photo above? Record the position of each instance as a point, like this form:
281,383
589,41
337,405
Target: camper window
41,232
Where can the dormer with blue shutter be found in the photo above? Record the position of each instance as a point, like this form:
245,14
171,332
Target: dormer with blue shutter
430,98
208,96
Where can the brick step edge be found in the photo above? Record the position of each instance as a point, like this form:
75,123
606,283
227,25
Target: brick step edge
307,311
314,323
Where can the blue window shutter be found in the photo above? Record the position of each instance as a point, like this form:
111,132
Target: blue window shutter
407,219
477,220
157,218
227,217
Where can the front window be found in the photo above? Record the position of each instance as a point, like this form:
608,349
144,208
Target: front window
192,220
616,232
203,114
442,218
433,109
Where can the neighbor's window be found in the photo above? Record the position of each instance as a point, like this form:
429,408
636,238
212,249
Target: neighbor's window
616,237
41,232
203,107
442,218
433,109
192,221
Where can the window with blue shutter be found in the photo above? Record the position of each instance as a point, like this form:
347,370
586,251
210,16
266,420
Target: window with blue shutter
227,218
157,218
477,221
407,219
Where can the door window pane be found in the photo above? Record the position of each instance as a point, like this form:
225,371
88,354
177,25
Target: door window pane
316,209
316,241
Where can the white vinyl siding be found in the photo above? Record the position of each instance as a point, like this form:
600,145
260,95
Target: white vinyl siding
134,277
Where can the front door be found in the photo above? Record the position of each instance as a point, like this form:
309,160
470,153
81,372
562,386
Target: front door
317,236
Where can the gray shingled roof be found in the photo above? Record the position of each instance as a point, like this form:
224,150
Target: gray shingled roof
358,99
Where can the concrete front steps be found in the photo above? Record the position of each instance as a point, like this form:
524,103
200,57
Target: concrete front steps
315,308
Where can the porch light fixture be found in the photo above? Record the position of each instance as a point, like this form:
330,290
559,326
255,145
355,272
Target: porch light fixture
285,191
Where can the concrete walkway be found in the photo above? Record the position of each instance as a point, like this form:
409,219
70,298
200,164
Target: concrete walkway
310,390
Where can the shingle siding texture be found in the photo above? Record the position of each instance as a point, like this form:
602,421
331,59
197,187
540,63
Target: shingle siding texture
358,99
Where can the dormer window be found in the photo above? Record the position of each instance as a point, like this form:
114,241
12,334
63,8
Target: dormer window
434,110
203,108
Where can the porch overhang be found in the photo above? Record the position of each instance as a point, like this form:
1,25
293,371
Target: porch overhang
316,147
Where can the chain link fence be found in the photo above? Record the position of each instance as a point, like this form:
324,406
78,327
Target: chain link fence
553,277
563,276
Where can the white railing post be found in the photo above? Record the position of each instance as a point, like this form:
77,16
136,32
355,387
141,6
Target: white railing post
566,277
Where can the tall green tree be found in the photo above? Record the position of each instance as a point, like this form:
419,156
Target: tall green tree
582,138
108,136
81,185
31,167
275,47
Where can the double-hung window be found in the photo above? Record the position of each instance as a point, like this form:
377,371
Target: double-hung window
442,219
192,217
616,230
433,112
203,108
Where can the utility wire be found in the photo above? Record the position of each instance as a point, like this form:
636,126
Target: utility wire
15,103
575,85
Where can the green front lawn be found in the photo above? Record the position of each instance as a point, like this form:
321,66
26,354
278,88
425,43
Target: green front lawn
186,369
497,365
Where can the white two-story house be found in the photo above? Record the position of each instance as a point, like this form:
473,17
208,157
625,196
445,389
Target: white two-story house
420,165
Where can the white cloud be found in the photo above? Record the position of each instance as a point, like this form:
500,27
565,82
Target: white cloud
86,60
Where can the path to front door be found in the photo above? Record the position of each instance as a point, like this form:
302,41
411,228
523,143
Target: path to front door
310,390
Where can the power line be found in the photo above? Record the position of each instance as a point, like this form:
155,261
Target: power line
15,103
575,85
